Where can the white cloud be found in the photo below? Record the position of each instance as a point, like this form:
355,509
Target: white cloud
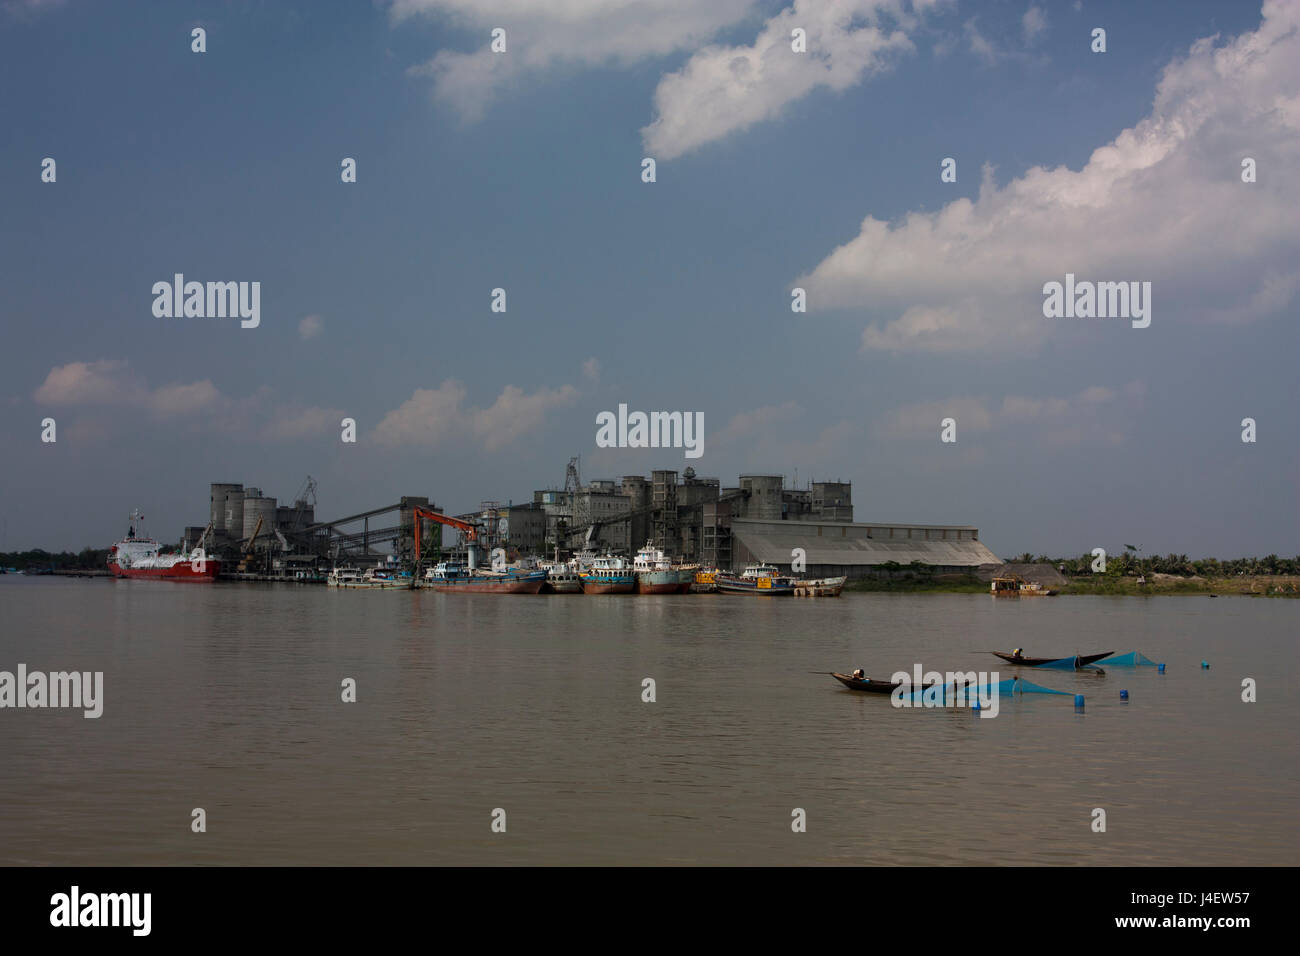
541,35
1095,415
723,89
1033,23
980,45
591,370
432,417
1163,202
291,424
925,419
309,327
110,383
745,426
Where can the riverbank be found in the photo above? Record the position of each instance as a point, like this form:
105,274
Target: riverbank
1258,585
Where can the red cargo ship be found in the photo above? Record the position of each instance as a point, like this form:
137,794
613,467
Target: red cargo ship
141,557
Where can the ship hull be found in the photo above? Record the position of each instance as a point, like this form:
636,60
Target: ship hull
181,571
523,584
728,585
562,585
658,582
608,585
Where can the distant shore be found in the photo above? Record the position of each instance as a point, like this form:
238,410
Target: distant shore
1258,585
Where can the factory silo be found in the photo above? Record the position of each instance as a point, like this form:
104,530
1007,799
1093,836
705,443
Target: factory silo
256,506
764,501
235,513
218,513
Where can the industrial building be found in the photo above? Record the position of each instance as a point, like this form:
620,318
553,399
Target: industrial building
758,520
693,518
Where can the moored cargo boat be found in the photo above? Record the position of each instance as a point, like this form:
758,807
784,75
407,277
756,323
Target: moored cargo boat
139,556
654,573
760,579
705,581
454,577
608,575
561,578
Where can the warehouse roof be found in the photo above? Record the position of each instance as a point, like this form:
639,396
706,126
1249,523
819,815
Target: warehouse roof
845,543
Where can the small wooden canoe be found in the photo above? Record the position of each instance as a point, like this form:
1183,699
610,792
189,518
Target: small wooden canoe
869,685
1080,660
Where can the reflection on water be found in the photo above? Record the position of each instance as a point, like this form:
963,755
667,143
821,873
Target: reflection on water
227,697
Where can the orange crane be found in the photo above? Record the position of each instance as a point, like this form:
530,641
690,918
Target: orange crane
470,530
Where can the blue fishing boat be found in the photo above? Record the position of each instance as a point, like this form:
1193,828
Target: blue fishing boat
760,579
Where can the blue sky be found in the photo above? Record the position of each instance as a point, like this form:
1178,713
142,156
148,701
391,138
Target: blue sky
522,170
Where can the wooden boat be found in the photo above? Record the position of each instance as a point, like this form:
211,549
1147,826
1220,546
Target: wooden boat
1080,660
820,587
869,685
1013,585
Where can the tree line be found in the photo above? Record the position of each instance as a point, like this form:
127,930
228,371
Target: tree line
1131,562
37,559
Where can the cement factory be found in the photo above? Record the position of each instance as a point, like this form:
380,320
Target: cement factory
694,519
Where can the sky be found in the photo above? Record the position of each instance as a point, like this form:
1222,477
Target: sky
774,170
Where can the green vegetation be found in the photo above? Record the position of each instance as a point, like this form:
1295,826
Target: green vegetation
937,584
88,559
1131,561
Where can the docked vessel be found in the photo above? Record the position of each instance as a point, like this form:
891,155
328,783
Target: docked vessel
561,577
820,587
656,574
761,579
460,578
379,578
608,575
705,581
345,578
1013,585
139,556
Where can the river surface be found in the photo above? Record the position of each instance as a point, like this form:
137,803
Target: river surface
227,697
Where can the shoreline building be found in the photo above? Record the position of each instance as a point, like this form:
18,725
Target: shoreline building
759,520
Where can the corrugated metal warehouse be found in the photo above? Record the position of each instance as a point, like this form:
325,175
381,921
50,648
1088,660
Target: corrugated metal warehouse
857,550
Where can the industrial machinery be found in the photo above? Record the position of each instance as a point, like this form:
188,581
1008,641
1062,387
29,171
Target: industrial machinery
248,551
467,528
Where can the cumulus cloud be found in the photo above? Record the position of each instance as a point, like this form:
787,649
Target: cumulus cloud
569,33
432,417
309,327
109,382
925,418
591,370
291,424
1163,202
1095,415
723,89
979,44
1033,23
745,426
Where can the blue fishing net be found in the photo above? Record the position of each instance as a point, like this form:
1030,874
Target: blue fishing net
1066,664
946,695
1131,659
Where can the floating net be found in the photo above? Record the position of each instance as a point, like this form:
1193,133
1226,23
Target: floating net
1068,664
1131,659
947,695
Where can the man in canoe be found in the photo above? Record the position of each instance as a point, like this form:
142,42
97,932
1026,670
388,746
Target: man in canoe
859,675
1017,653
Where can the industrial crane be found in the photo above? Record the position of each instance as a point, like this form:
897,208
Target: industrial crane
248,552
467,528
